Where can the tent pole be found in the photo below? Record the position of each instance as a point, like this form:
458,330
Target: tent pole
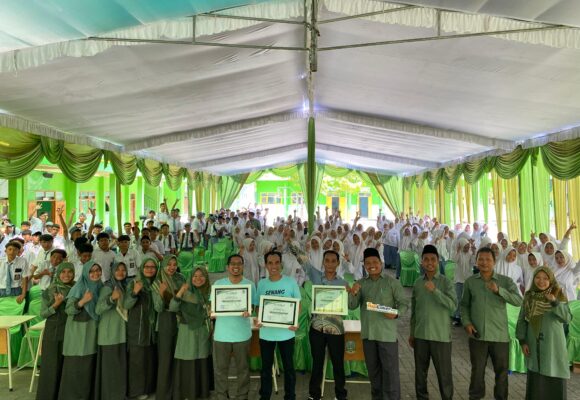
119,201
310,169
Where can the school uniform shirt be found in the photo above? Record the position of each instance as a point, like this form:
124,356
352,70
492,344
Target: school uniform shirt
31,250
158,244
174,225
284,287
385,291
17,269
168,243
78,270
430,310
187,240
486,310
234,329
132,260
105,259
36,225
197,226
42,262
58,242
71,251
162,218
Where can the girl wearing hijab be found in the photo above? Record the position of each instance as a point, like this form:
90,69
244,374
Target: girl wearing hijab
355,253
315,253
547,250
53,309
541,334
193,366
165,287
406,240
345,265
534,261
507,265
80,335
251,266
138,302
464,261
567,273
111,379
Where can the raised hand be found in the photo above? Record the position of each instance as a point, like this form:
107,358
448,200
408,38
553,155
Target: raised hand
137,287
355,289
430,286
162,288
182,290
88,296
491,285
116,295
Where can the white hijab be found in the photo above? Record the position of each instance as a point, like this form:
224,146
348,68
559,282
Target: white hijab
315,256
251,266
567,275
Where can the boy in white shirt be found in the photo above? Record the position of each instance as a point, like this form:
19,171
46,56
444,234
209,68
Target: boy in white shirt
103,255
45,273
13,273
129,256
40,268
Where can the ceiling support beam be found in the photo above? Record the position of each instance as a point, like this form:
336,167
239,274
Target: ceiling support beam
411,128
247,156
378,156
365,15
244,18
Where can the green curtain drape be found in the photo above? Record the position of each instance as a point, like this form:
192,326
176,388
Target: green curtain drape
574,211
497,185
512,202
526,200
230,187
151,170
390,188
562,159
560,211
484,186
541,183
124,166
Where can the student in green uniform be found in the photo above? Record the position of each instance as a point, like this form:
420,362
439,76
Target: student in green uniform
379,330
80,335
541,334
142,353
484,316
432,303
53,306
193,367
111,380
165,287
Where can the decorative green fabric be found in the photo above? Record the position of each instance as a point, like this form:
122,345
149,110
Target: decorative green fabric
573,339
151,171
517,361
34,306
484,185
541,191
409,268
230,187
124,166
390,189
173,176
450,269
526,201
9,306
562,159
217,262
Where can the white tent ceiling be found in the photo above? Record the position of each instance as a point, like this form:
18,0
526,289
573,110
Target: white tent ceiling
395,108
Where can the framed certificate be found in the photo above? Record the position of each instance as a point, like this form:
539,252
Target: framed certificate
329,300
231,300
278,312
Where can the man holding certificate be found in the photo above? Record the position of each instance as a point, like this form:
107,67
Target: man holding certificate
232,333
327,329
381,300
277,319
432,302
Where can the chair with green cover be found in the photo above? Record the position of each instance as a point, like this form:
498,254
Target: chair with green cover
185,261
199,255
573,339
208,252
34,293
409,268
517,361
219,258
450,269
10,307
25,357
302,353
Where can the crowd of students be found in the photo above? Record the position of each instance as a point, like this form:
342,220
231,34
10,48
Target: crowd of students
122,321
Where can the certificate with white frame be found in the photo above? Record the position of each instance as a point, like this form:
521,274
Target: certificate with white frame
231,300
331,300
278,312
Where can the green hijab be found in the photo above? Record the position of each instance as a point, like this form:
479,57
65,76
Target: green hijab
193,310
173,282
535,302
147,282
57,285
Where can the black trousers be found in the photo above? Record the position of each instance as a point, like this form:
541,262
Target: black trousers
382,360
440,353
318,343
267,351
499,353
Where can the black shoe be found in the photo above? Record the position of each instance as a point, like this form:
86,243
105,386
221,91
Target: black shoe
457,323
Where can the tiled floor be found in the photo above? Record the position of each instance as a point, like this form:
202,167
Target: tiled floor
461,371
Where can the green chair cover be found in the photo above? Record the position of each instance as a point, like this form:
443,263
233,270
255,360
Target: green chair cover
185,261
34,293
208,253
9,306
573,339
517,358
409,268
450,270
219,258
25,356
199,255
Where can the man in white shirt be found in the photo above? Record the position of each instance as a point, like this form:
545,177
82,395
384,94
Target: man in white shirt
40,268
167,240
187,239
84,253
32,248
45,273
13,273
146,251
198,227
38,224
174,223
129,256
155,242
103,255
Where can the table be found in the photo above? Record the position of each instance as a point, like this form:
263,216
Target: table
8,322
353,349
37,327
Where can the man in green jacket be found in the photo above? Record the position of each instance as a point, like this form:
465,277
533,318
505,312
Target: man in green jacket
381,300
432,303
484,316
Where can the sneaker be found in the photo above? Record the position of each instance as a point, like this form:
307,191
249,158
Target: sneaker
143,397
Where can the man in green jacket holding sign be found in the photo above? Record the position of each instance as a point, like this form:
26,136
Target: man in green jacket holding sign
432,303
381,300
